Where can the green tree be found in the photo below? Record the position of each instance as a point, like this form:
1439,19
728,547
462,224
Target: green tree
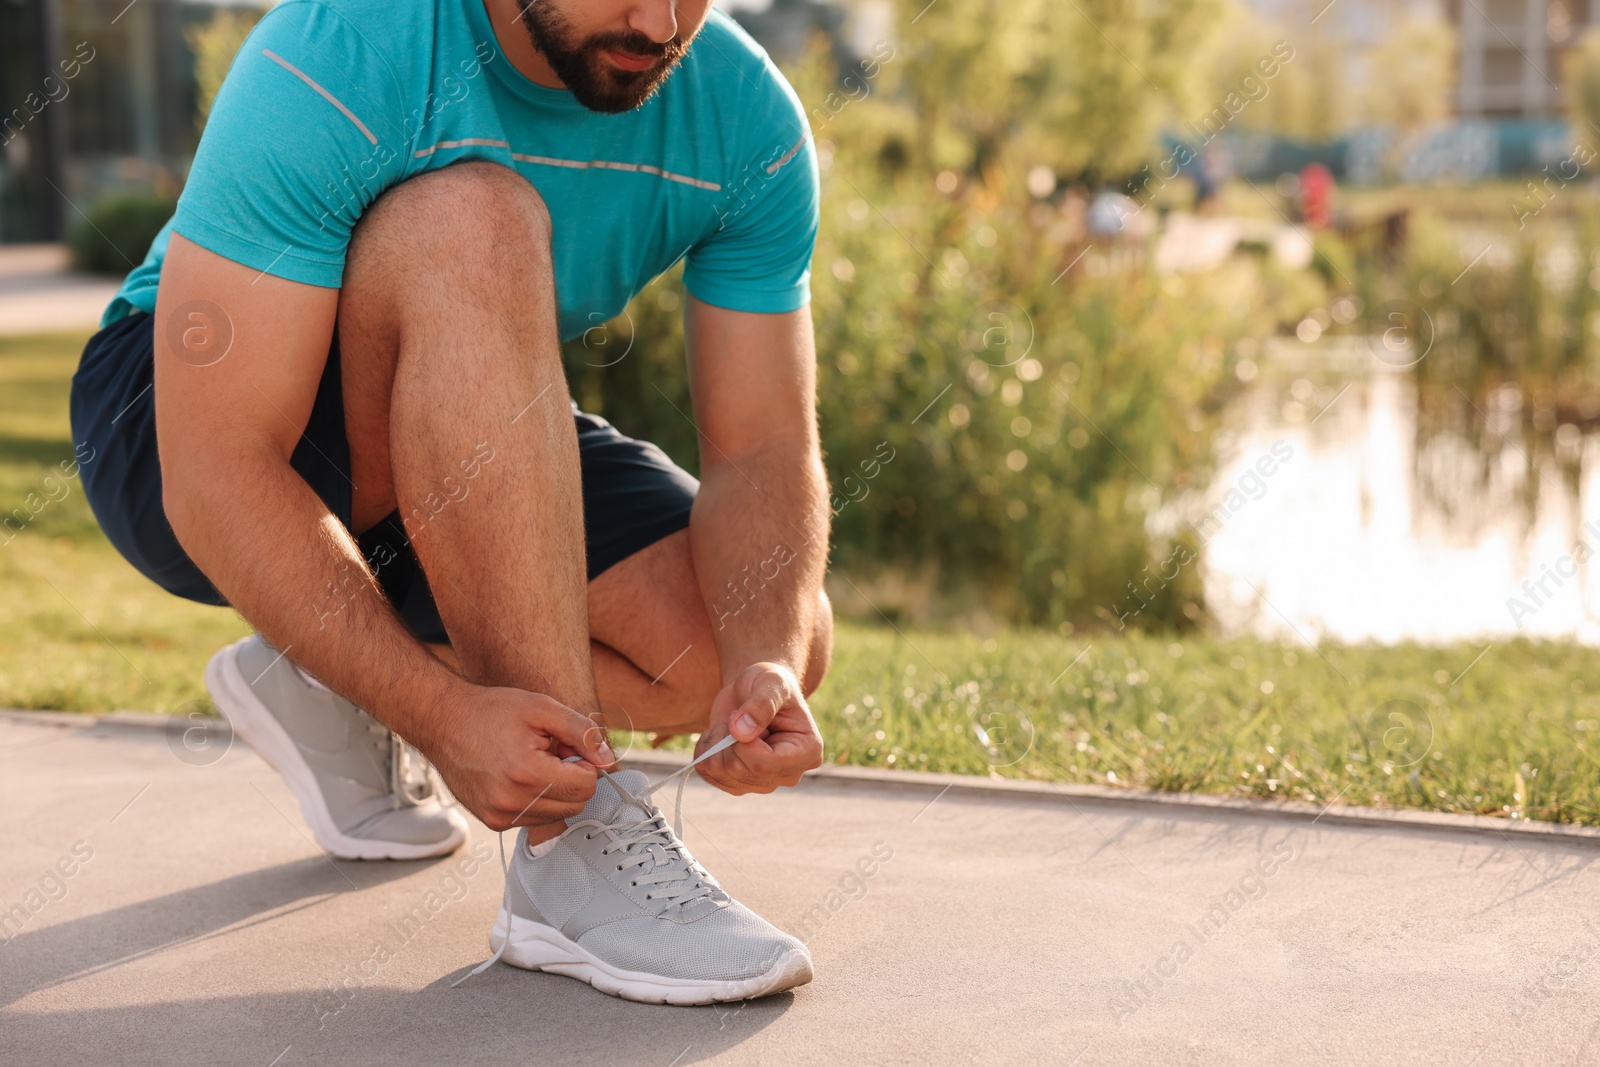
214,44
1311,99
1581,75
1307,96
1411,74
1124,75
1084,86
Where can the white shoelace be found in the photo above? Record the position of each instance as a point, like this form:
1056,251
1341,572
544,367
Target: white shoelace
659,848
406,766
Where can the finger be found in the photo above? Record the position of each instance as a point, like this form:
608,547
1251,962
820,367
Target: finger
580,732
563,795
708,737
719,770
793,757
510,808
749,769
766,766
760,708
555,780
732,780
781,759
613,716
728,786
547,811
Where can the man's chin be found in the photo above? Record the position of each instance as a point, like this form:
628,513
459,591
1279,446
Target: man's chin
612,91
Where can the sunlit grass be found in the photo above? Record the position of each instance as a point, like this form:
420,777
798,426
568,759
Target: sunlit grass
1400,727
1365,725
83,631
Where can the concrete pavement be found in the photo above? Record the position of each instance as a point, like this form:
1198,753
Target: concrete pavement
198,923
38,295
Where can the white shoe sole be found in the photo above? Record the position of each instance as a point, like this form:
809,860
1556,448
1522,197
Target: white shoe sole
252,721
537,947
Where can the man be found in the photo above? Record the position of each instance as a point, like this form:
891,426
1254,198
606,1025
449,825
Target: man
332,397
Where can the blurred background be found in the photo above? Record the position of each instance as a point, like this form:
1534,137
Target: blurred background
1210,388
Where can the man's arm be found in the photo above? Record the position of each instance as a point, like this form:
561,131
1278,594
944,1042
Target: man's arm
226,430
759,535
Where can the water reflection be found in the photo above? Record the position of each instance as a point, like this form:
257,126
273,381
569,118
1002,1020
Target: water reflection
1386,525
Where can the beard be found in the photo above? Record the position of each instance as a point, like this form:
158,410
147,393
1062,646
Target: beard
594,81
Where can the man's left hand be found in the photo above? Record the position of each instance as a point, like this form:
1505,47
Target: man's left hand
766,711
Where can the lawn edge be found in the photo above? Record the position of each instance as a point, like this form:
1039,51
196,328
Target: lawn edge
1073,793
1200,803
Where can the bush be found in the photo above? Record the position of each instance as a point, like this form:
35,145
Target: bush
214,44
115,236
1013,424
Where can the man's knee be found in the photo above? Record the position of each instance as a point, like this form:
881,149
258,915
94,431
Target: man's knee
692,681
821,653
466,214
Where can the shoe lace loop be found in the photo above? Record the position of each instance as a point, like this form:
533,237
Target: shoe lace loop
412,779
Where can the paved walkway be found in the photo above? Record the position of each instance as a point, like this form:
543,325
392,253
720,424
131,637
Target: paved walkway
37,295
200,925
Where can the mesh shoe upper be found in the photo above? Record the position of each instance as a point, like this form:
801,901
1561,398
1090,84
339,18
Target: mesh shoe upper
623,885
361,767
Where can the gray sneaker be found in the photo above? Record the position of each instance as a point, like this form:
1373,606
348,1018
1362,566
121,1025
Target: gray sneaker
621,904
366,794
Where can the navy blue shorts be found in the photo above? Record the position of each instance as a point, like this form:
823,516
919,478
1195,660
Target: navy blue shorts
633,495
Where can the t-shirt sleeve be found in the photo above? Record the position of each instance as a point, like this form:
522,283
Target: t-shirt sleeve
301,138
757,256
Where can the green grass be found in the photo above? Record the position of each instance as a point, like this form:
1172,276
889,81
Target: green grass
1396,727
83,631
1368,725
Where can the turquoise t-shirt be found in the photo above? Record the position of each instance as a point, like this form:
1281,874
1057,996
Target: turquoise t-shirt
331,102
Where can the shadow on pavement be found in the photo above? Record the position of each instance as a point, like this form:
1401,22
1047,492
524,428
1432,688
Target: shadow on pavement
39,959
502,1016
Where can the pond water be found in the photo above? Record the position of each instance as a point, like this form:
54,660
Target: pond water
1329,526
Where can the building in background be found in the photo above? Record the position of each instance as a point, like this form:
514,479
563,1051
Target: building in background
1508,102
1509,63
1511,54
1359,24
95,95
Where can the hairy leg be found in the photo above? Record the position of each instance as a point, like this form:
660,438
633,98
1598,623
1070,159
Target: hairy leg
655,653
457,413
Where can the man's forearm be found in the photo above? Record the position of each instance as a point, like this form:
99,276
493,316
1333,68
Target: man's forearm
295,573
759,535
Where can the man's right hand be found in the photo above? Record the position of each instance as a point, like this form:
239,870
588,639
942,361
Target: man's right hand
500,751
